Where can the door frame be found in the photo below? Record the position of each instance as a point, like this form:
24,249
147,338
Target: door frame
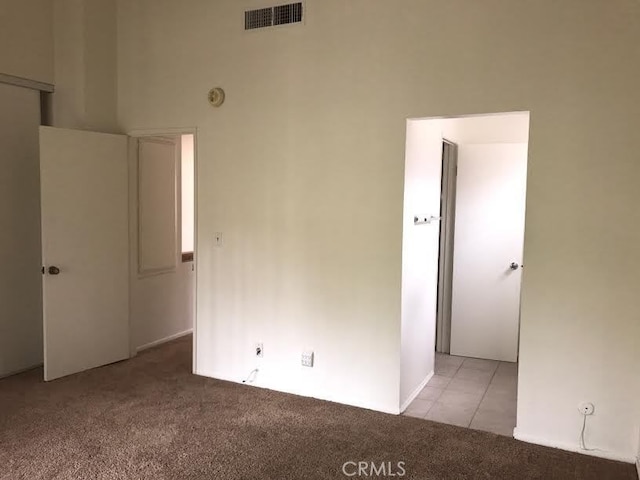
445,255
136,134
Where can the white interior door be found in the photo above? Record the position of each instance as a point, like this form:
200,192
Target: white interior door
85,249
489,237
445,260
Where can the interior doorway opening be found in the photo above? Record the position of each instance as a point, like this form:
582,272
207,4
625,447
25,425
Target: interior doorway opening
111,233
162,213
187,197
481,164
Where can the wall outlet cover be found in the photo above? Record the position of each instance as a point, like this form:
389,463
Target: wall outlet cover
219,239
307,358
586,408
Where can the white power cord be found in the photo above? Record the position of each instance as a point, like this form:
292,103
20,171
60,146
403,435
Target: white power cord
251,377
583,445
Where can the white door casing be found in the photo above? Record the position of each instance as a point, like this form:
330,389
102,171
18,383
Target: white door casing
84,198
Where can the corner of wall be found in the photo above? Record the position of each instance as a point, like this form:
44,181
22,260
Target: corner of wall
423,155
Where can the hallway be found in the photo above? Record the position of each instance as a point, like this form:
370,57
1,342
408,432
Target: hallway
470,392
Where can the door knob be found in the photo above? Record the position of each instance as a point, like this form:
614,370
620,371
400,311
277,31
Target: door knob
54,270
514,266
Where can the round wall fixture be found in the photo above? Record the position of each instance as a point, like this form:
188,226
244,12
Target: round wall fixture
216,96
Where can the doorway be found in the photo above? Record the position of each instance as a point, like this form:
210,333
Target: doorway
162,216
482,236
117,255
480,240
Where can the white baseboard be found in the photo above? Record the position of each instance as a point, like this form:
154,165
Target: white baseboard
416,392
523,437
21,370
155,343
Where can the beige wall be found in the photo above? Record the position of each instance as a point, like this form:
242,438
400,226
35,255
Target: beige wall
85,65
310,260
302,170
26,39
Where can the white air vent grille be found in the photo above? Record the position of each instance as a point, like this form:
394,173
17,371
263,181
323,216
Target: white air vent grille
272,16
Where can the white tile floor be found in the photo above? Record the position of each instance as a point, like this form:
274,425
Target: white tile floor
470,392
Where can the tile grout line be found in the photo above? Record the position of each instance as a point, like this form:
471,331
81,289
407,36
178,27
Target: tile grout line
453,376
483,395
443,390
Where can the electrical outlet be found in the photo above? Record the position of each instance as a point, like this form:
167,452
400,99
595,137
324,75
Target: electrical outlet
307,359
586,408
218,239
259,350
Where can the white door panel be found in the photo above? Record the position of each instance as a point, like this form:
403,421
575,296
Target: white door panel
489,236
84,195
158,161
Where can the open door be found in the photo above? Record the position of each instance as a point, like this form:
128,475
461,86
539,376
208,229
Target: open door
445,258
85,249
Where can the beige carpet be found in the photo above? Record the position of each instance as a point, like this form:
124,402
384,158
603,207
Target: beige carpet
149,418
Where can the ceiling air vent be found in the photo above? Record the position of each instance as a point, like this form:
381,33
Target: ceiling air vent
272,16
